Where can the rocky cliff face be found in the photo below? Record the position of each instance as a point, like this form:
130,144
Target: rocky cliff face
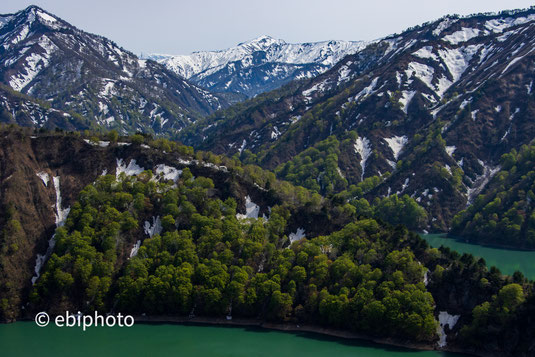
39,176
42,174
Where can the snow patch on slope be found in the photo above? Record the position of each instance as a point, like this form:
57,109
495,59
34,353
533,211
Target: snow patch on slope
44,177
426,53
481,181
168,172
135,248
445,319
499,25
458,59
405,100
363,148
154,228
61,215
463,35
298,235
444,24
396,144
421,71
132,169
251,209
367,90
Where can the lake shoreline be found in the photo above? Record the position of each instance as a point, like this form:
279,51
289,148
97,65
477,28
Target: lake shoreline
292,327
446,235
506,260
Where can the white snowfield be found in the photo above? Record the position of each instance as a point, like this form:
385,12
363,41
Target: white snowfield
421,71
326,53
463,35
425,53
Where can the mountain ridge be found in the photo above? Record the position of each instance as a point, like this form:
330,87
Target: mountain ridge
246,62
436,106
49,59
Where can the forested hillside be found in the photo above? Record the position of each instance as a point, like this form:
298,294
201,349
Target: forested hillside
504,214
429,111
161,229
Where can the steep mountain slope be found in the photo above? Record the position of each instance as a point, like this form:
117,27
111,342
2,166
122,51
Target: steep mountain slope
436,106
42,174
504,213
18,108
259,65
149,229
49,59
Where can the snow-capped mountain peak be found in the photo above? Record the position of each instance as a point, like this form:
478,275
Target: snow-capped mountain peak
464,84
260,43
258,65
41,15
30,16
48,58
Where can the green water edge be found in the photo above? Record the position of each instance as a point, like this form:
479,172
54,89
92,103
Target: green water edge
184,340
26,339
507,260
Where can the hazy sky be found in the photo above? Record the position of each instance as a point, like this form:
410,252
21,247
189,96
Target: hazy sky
180,27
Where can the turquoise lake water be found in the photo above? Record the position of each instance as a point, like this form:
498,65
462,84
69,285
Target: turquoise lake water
23,339
508,261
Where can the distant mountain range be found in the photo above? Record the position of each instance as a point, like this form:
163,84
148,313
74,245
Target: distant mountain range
51,60
436,106
259,65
